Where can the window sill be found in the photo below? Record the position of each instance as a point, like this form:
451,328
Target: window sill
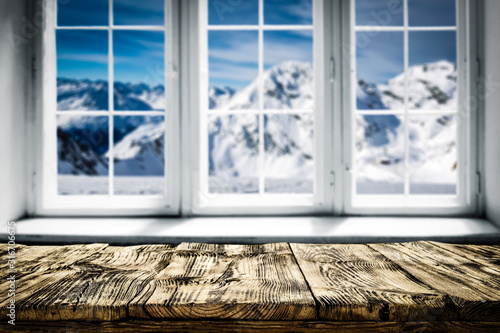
254,230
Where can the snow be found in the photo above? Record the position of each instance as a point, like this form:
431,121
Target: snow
233,140
98,185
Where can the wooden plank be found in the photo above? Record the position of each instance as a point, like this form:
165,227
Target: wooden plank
357,283
137,326
159,281
259,282
472,291
85,282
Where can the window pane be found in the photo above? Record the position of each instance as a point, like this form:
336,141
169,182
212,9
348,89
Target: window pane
233,12
433,155
138,154
290,12
431,13
77,12
380,67
82,70
82,166
379,154
289,153
139,61
233,149
233,69
288,76
379,12
138,12
432,76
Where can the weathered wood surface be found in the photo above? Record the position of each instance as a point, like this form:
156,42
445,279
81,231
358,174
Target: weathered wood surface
204,326
290,287
419,281
103,283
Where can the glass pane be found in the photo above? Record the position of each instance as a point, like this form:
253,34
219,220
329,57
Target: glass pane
433,155
291,12
288,76
233,149
135,12
379,12
233,12
379,154
380,67
233,58
138,154
139,61
432,75
289,148
82,70
88,12
82,165
431,13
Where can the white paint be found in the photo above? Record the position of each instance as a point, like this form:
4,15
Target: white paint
14,100
256,230
491,72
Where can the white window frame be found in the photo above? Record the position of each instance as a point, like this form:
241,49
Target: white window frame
196,199
465,202
333,70
47,201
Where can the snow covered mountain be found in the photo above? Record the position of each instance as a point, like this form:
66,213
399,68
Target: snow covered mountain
288,139
93,95
288,85
430,87
83,145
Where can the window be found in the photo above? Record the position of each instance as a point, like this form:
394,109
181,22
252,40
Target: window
109,112
256,107
409,119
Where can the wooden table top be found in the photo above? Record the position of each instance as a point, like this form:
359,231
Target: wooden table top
320,284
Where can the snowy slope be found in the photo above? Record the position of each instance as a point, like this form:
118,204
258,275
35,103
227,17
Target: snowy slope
140,152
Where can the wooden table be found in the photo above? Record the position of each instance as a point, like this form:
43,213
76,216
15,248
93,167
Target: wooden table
397,287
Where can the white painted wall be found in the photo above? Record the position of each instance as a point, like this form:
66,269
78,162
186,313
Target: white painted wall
491,74
14,82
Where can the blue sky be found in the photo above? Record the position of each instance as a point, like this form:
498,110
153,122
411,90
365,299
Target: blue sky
139,56
431,12
222,12
138,12
78,12
233,55
382,56
233,58
280,46
82,54
233,12
379,12
420,12
431,46
96,12
288,12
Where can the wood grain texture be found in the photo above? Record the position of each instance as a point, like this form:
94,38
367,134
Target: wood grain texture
227,326
258,282
103,283
471,287
394,282
289,288
83,282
